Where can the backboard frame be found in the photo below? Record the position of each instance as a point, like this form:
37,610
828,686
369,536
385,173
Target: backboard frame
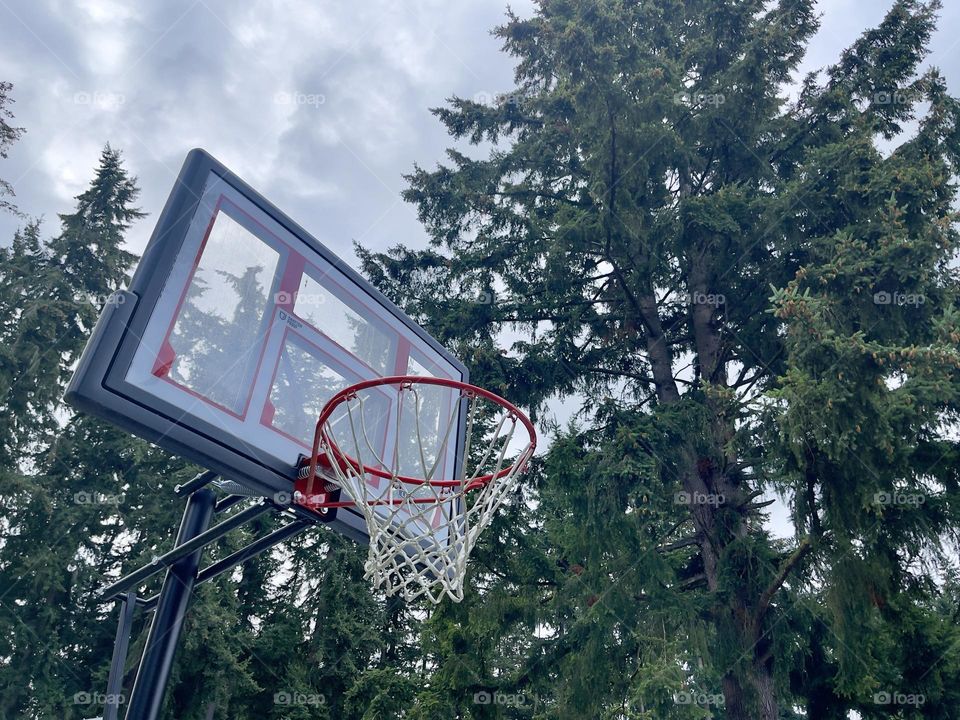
100,386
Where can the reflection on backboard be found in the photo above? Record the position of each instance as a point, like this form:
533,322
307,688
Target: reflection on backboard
238,327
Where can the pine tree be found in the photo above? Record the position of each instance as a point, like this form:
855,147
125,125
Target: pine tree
61,495
55,291
9,134
30,326
89,250
648,185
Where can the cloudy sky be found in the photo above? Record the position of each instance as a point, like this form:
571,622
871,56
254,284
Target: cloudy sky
321,106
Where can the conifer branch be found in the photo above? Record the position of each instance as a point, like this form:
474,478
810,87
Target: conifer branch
692,582
682,543
796,556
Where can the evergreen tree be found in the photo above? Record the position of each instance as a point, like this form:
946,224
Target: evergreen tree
9,134
648,185
61,496
89,250
29,327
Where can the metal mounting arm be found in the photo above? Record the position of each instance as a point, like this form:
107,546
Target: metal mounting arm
183,575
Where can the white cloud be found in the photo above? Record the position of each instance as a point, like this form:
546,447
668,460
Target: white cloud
207,73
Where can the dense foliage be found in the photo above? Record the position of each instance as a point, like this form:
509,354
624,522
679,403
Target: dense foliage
751,295
9,134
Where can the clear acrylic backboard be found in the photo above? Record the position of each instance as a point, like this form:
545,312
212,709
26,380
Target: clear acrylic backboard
237,328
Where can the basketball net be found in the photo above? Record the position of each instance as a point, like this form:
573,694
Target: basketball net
422,527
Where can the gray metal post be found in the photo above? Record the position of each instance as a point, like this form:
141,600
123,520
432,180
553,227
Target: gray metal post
120,644
146,697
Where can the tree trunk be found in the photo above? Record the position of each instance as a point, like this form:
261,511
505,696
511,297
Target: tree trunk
749,694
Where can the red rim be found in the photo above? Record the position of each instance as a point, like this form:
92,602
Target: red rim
350,392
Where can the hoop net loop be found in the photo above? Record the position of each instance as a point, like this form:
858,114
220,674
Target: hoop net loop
390,445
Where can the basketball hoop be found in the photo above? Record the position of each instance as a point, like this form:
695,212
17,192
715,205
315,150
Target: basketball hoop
392,446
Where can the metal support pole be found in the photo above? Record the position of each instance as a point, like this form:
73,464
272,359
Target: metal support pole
120,644
251,551
183,549
228,502
241,556
199,480
146,697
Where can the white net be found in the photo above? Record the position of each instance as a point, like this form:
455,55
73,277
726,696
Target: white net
396,461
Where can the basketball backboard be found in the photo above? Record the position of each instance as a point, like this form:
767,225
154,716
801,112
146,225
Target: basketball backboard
237,328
